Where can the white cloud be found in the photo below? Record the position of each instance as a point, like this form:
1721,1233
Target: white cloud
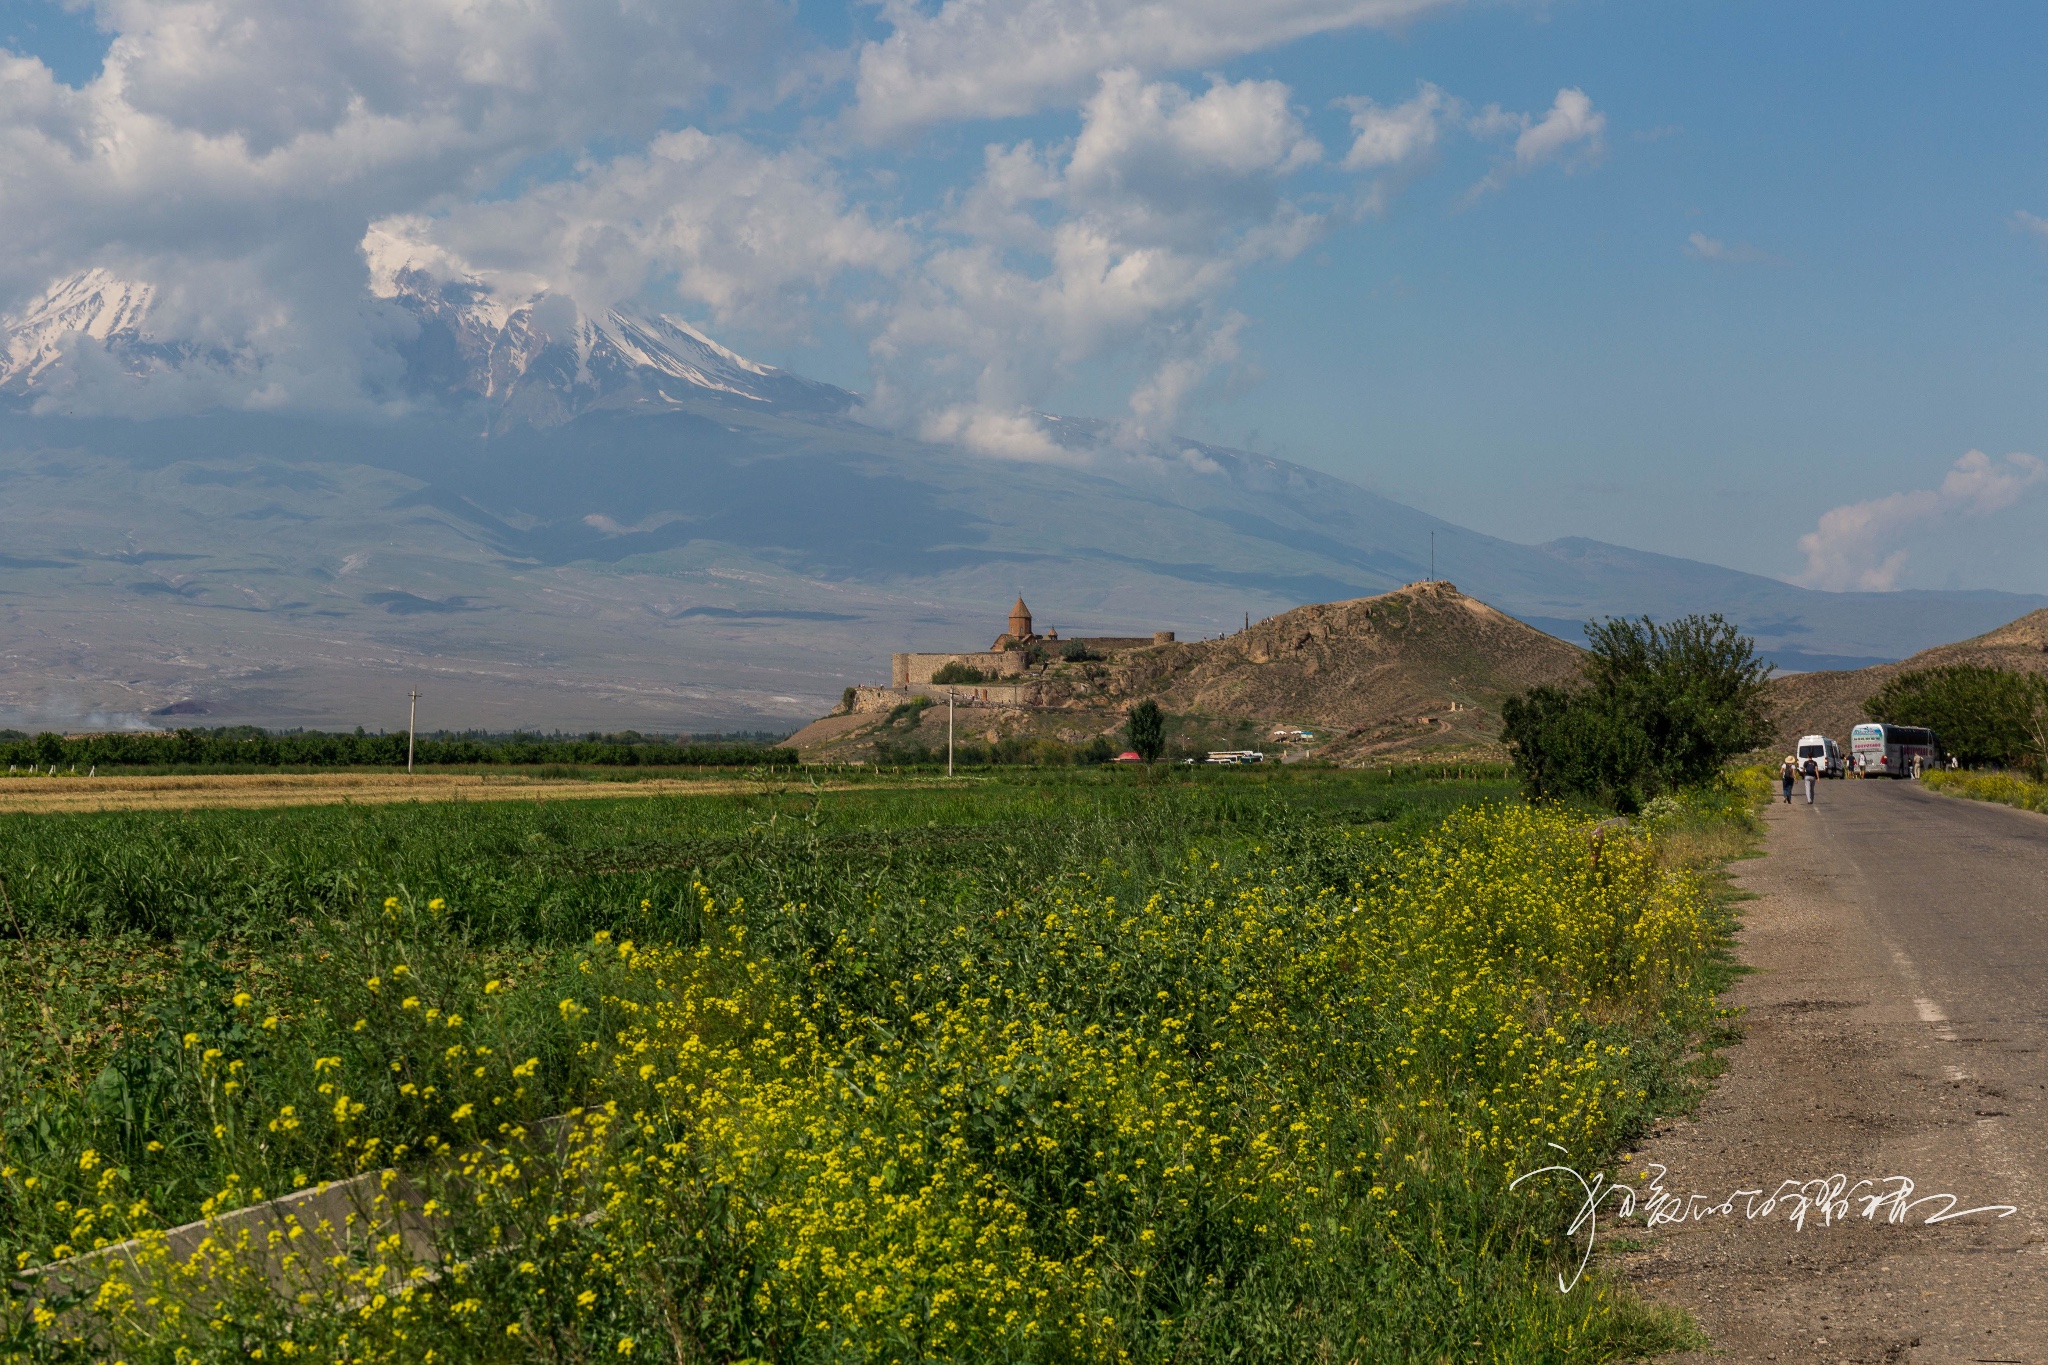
1005,435
254,162
1572,134
1132,129
2028,222
231,152
1572,128
1111,248
997,58
1158,403
1385,137
1855,546
752,237
1739,253
1166,167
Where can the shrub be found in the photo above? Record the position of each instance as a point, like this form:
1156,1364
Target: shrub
1979,714
911,711
957,672
2005,788
1662,707
1075,652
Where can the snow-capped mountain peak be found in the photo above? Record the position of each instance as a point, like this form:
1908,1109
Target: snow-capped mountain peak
544,358
96,303
538,358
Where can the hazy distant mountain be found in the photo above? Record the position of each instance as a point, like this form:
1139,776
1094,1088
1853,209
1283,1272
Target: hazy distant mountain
602,519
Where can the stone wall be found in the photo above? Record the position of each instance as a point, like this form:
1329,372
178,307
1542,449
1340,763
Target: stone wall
915,670
872,699
1111,643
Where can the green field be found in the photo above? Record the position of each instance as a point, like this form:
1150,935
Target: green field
1038,1066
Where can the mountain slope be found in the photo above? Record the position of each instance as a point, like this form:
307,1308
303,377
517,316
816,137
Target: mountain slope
617,521
1830,703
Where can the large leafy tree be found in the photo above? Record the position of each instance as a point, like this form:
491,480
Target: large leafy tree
1979,714
1659,707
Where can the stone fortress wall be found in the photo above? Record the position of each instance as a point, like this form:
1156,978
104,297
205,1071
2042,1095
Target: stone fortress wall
915,670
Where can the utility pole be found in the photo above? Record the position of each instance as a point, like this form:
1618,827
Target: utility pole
411,720
949,732
1432,556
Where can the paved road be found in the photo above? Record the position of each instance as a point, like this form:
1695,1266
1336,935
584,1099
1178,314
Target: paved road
1897,1024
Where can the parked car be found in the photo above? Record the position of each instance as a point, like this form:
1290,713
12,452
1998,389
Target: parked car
1824,752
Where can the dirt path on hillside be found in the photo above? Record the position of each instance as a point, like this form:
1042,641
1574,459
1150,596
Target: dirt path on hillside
1895,1023
51,795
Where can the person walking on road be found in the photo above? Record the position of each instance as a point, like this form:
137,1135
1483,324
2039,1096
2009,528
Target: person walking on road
1785,778
1811,772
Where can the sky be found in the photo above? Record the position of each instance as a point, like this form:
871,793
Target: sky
1757,284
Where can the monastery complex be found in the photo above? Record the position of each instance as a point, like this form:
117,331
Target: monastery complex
1007,673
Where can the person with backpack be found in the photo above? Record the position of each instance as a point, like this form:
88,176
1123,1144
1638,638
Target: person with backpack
1811,771
1785,778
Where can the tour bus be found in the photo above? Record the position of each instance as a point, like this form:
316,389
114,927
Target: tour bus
1236,756
1825,753
1889,750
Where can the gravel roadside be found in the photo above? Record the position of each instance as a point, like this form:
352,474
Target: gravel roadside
1895,1022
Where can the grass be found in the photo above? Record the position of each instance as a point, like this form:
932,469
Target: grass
1051,1065
2008,789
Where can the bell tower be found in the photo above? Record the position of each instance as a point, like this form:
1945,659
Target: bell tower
1020,622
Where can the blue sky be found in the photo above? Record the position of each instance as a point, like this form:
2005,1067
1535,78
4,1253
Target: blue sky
1773,283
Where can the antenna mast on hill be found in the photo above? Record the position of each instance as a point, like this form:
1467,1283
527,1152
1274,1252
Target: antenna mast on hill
1432,556
411,718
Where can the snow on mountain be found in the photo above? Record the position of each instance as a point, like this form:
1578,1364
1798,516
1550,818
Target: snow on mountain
97,304
544,359
540,359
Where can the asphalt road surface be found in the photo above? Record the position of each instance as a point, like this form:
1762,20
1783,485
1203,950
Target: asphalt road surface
1895,1026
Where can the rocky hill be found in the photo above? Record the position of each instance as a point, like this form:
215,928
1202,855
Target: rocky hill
1423,666
1421,670
1829,703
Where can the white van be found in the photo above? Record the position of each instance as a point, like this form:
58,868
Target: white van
1824,752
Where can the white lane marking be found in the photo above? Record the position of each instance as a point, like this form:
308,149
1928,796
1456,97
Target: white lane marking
1930,1014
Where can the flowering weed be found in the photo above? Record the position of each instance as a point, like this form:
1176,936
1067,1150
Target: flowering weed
1268,1109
